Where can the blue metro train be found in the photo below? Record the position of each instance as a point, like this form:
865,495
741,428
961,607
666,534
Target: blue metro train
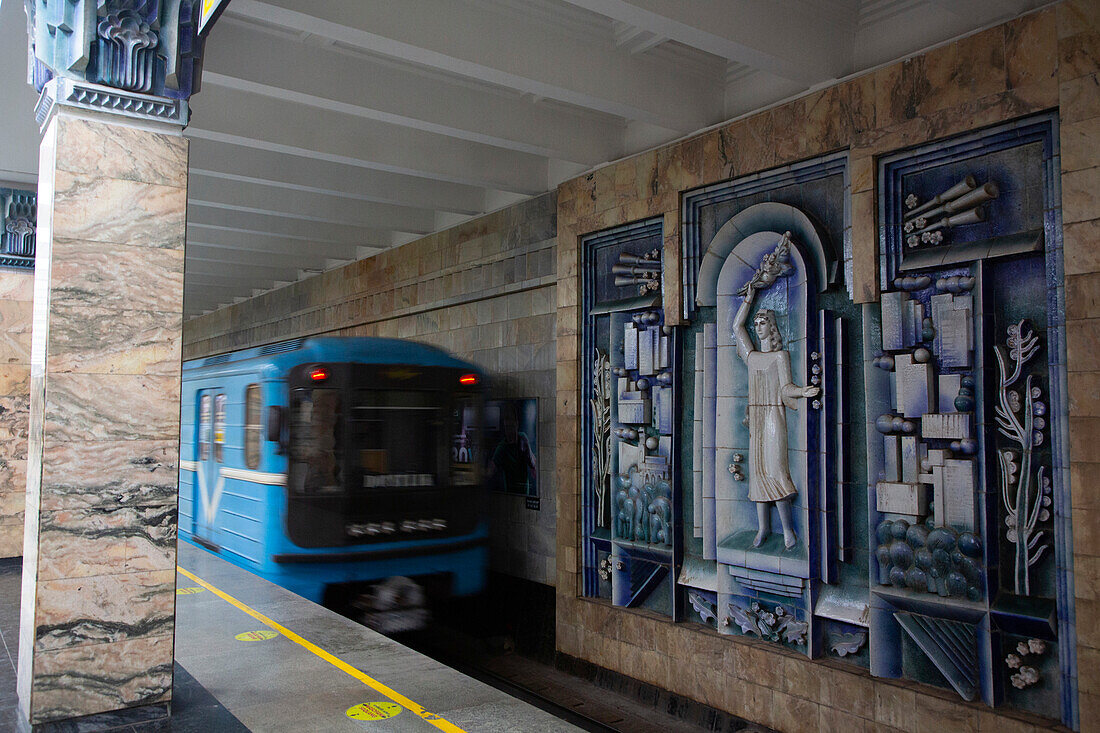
334,466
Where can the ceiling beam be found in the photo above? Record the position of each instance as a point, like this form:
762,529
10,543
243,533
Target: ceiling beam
210,213
205,258
297,173
240,273
309,206
255,120
246,240
760,33
250,59
532,57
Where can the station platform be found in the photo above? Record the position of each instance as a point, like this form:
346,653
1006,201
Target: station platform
251,656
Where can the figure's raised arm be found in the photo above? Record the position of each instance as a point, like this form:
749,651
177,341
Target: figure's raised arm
744,341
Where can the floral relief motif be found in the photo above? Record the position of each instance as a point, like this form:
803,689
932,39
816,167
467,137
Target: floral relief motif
1021,420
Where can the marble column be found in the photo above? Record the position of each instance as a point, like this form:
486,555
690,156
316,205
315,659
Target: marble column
16,288
98,597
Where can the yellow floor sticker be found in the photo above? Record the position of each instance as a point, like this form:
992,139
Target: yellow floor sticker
374,711
261,635
188,591
400,700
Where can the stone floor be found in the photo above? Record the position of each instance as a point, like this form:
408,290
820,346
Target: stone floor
194,710
225,683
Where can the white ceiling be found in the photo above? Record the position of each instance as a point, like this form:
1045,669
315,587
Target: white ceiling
327,130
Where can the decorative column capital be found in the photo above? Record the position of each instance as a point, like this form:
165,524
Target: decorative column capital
137,58
18,219
82,95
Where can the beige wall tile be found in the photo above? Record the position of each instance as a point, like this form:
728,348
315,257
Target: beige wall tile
1079,99
1081,247
1084,393
1080,145
895,706
1031,49
1079,55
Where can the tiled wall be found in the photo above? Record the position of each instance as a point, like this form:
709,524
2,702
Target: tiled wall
484,290
16,306
1045,60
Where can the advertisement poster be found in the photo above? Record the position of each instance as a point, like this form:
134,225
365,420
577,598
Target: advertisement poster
511,445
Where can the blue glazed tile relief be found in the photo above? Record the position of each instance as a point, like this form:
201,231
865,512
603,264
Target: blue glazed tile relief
970,512
630,511
884,484
769,461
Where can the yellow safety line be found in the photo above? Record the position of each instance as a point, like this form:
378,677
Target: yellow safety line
340,664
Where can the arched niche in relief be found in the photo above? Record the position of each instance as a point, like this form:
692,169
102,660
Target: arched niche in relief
734,456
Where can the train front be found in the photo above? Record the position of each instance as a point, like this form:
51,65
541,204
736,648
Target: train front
384,501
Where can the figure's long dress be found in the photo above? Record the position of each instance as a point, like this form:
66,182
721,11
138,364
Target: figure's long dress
769,477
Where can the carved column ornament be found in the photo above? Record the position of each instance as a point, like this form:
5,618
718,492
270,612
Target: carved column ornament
89,53
18,216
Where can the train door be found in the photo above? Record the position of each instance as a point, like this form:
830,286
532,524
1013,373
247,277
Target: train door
211,453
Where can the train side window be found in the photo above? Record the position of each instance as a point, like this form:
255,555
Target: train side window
252,426
204,427
219,428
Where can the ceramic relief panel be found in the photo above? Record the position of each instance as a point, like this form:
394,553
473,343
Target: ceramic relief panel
966,394
630,357
767,471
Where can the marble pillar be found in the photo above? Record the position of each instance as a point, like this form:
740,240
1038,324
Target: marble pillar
98,597
16,293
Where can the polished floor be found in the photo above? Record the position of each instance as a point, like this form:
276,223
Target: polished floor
280,684
253,656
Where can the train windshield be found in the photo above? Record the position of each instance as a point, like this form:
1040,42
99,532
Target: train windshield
396,437
352,439
316,452
381,452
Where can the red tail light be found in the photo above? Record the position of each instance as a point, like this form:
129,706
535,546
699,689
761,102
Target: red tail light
468,379
318,374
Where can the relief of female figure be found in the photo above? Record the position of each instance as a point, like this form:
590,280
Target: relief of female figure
771,391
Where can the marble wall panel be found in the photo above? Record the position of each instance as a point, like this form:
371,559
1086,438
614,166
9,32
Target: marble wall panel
1081,246
104,474
80,543
101,677
112,210
11,507
111,407
103,609
1081,144
13,473
112,151
1079,54
15,331
1080,195
103,340
13,427
15,379
11,538
107,275
1031,50
16,285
